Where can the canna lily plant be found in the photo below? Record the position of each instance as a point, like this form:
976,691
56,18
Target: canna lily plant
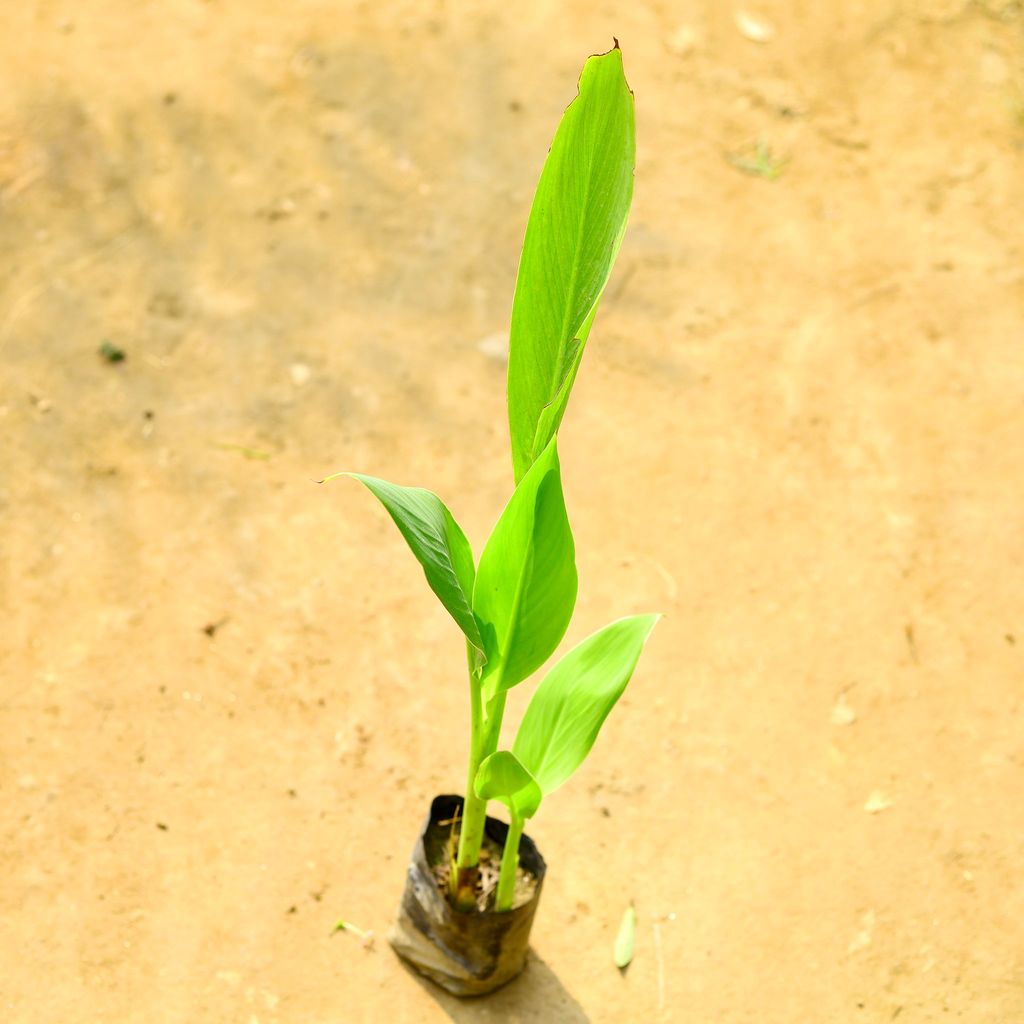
513,607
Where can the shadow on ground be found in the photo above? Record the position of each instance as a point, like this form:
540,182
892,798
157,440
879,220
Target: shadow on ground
536,995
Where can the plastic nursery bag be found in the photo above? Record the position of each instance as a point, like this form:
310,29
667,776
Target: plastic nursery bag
466,953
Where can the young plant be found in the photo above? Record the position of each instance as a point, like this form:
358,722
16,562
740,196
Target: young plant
514,607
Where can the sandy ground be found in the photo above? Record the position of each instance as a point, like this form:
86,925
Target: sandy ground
226,695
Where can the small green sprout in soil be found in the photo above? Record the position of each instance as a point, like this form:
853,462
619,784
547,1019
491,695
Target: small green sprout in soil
513,606
366,937
111,353
760,162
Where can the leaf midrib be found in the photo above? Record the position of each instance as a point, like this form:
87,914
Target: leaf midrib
552,388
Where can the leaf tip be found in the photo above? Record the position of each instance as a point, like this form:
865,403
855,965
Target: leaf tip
652,619
333,476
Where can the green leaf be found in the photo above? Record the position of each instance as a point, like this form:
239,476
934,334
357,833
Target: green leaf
572,237
526,582
625,941
502,777
438,543
569,707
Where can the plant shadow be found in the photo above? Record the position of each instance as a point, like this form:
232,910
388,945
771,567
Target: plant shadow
536,995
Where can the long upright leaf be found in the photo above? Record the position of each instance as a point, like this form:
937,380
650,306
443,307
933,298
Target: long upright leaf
438,543
569,707
572,237
526,582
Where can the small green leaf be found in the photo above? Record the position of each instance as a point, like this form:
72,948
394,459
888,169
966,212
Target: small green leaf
625,941
438,543
569,707
526,583
572,237
111,352
502,777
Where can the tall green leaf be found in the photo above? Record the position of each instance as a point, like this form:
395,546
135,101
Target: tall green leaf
572,237
570,705
438,543
502,777
526,581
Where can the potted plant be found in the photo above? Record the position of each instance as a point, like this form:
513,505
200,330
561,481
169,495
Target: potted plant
474,881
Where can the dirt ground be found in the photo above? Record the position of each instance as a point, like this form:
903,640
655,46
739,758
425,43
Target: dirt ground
226,694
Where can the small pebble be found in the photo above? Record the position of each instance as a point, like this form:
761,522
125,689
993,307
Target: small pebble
754,27
682,42
842,713
494,346
876,802
863,937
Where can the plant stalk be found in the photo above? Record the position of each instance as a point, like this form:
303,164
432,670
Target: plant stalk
509,865
483,742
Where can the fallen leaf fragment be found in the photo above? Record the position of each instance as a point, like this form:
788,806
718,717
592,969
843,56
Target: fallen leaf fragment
626,939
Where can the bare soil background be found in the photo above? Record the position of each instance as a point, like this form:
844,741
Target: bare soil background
226,694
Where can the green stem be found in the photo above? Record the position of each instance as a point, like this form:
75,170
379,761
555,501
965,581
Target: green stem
473,808
509,865
485,730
